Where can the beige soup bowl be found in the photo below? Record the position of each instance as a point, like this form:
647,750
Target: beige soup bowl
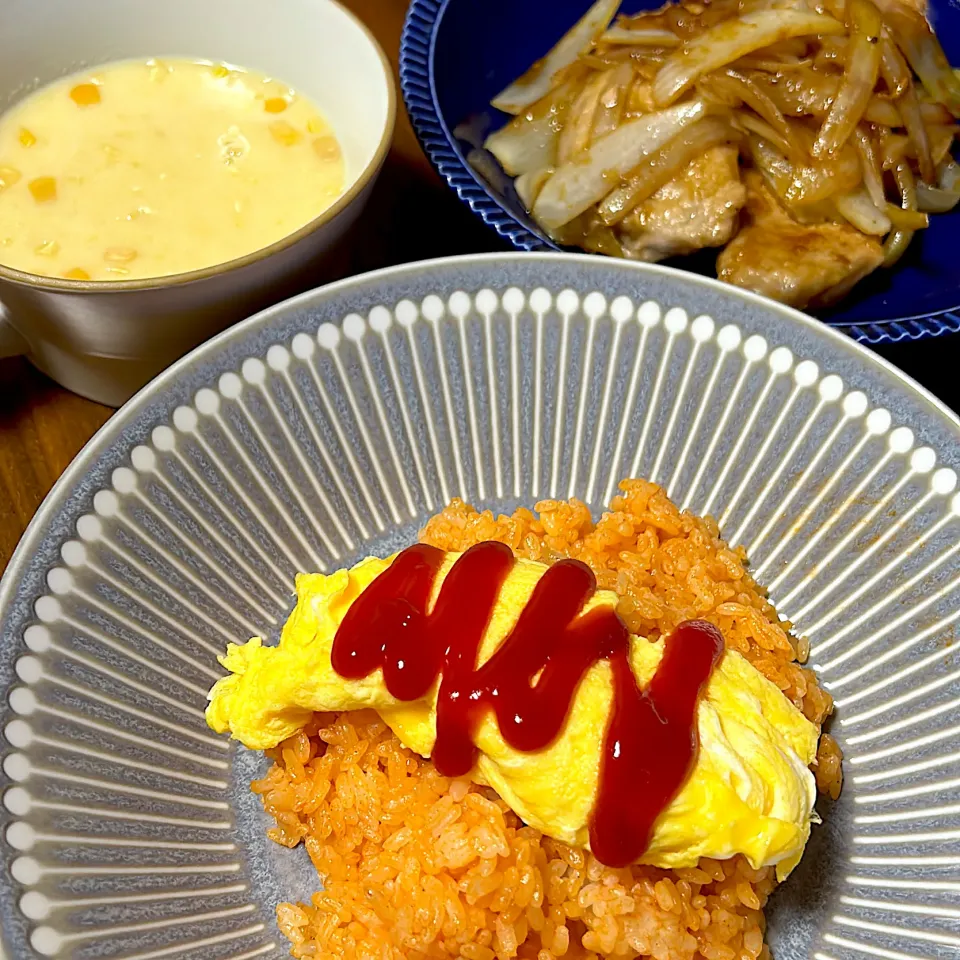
106,339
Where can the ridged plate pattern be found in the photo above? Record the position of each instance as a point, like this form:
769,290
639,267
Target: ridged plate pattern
330,428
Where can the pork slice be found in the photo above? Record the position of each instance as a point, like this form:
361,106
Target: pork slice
696,209
803,265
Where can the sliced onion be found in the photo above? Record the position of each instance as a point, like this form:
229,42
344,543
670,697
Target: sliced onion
599,238
529,141
577,185
766,65
604,58
893,68
809,93
664,165
948,175
941,141
896,244
836,8
640,97
833,51
575,136
751,6
859,79
882,112
650,37
910,111
870,166
934,199
945,195
907,219
893,148
612,102
832,175
935,113
732,39
919,44
541,78
677,20
859,210
813,184
740,88
753,124
777,170
528,185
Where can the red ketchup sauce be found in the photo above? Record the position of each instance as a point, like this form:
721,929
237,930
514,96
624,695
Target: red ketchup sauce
651,740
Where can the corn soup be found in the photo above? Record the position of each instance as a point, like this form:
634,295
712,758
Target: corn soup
149,168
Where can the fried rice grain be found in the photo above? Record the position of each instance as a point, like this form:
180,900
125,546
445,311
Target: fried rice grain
416,865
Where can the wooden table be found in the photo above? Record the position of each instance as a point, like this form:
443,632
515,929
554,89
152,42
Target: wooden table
411,216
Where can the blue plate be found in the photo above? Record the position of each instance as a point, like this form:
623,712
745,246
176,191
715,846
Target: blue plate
456,55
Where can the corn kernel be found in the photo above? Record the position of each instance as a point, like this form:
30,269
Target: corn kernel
327,148
76,273
49,248
275,104
85,94
119,254
220,71
8,177
44,189
282,132
27,138
316,125
159,70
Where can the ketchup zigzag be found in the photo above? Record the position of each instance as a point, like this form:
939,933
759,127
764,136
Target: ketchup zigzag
529,682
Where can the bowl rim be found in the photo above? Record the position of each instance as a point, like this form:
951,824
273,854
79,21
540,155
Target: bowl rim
419,90
356,187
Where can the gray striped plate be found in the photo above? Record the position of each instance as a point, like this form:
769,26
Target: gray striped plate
330,427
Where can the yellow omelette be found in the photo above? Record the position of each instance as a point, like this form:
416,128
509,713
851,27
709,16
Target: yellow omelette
750,792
